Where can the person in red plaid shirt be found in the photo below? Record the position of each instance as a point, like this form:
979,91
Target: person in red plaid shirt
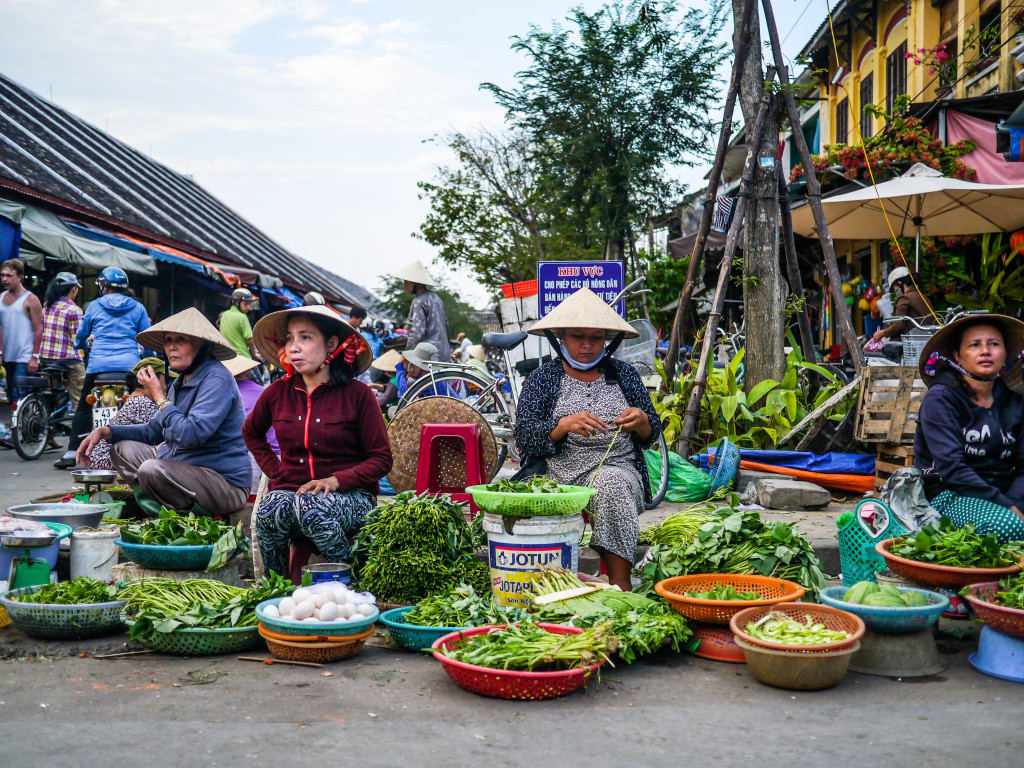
61,318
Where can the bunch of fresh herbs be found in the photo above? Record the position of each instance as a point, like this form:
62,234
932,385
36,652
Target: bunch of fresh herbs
945,544
80,591
529,648
170,529
536,484
462,607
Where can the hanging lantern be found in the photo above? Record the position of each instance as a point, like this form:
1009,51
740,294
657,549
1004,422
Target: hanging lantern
1017,239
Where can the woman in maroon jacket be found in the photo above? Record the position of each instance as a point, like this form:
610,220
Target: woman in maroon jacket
334,446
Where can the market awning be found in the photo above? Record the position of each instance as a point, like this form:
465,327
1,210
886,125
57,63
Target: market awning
51,236
250,276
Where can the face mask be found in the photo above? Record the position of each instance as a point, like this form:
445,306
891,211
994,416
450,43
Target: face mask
573,363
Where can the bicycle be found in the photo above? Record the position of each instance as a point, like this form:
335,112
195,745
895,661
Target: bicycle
496,398
42,413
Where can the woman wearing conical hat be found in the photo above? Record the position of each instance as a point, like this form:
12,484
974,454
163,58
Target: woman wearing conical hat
190,457
586,419
427,319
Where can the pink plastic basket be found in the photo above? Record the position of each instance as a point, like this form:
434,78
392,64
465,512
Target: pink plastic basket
1009,621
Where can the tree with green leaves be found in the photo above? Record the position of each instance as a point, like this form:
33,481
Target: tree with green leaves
609,105
396,301
488,213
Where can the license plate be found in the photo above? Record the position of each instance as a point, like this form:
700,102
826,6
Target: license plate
101,416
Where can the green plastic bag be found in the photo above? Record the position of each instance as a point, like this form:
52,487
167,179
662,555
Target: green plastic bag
685,481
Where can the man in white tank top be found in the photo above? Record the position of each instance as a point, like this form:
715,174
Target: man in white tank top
21,326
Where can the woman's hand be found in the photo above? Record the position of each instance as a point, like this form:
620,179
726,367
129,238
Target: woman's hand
633,420
150,383
86,446
583,423
324,486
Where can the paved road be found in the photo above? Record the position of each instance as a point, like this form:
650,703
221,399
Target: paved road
386,708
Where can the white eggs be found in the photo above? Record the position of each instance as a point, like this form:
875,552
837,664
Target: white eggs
301,594
322,598
286,606
271,610
340,597
329,612
311,618
366,609
303,610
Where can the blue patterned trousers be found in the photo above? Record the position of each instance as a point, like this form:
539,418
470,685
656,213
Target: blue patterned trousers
327,521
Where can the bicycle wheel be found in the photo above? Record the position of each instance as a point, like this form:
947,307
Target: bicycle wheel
659,489
30,433
479,391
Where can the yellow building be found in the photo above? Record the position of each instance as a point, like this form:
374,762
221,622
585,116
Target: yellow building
885,49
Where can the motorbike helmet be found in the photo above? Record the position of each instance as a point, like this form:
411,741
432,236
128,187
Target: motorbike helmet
241,294
112,277
313,298
900,273
64,279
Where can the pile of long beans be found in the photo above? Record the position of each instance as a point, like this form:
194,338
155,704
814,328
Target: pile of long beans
528,648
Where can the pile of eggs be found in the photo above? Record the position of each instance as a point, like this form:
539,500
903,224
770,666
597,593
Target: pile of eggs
322,605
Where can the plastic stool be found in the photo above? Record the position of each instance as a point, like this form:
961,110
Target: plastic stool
439,470
299,551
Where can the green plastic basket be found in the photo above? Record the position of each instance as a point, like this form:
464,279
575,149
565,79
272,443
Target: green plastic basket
202,642
857,557
573,500
62,622
412,637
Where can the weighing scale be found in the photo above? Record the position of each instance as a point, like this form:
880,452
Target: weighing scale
94,480
26,570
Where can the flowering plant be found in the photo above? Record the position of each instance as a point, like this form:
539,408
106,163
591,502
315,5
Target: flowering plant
939,61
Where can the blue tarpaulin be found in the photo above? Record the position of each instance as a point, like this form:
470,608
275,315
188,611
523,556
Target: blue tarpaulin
10,239
831,463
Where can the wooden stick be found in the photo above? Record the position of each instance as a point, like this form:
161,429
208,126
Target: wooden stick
697,256
821,409
280,661
118,655
796,285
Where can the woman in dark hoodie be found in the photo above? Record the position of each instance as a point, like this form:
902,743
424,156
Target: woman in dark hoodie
970,431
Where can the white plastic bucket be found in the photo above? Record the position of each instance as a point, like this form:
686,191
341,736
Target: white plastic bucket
94,553
534,541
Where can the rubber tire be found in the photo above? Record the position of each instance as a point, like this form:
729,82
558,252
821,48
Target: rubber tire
658,494
33,404
447,376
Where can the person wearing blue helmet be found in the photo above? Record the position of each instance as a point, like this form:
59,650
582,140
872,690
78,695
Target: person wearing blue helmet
108,331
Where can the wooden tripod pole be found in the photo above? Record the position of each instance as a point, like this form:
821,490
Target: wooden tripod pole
796,283
682,309
739,210
813,193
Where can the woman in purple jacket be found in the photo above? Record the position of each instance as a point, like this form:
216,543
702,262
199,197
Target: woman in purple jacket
970,432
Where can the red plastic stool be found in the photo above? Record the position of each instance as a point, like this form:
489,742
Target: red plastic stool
451,458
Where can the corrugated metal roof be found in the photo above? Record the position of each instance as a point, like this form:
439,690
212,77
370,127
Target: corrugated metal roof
60,155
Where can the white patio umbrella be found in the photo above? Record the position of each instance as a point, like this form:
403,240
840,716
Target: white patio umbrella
920,202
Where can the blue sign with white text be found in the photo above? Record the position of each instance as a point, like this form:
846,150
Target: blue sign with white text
558,280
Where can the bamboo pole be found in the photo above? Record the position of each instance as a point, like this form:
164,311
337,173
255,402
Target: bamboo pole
796,283
813,193
708,211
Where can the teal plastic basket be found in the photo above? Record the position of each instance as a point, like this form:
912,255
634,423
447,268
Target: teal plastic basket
203,642
857,556
890,621
306,628
161,557
723,466
411,636
62,622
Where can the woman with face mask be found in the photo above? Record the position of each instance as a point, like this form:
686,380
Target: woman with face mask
588,418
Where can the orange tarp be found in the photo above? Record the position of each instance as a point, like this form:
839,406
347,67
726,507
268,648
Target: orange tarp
860,483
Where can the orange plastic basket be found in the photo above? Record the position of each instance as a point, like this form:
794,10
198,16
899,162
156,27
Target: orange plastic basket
935,575
318,653
716,643
832,618
772,591
268,633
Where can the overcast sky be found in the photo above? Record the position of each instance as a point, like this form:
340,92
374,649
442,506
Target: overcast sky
308,117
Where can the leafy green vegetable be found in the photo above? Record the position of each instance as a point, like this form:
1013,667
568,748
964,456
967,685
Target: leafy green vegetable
1010,593
945,544
680,529
527,647
463,607
725,592
536,484
738,542
172,530
414,547
80,591
164,605
777,627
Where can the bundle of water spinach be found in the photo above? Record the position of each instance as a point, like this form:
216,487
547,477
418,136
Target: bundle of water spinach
170,529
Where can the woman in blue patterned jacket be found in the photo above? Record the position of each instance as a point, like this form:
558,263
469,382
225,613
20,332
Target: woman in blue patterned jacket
589,418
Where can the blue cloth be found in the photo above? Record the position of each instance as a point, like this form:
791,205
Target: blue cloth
401,379
833,463
375,342
113,320
203,427
10,240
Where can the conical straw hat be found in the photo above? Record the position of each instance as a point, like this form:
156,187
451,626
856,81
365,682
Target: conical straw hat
388,362
584,309
942,342
271,332
239,365
415,273
190,322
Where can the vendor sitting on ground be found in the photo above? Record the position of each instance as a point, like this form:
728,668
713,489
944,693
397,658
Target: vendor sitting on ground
334,446
571,413
137,408
190,457
909,303
970,429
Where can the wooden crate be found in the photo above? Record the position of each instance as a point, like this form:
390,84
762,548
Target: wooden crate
890,398
890,458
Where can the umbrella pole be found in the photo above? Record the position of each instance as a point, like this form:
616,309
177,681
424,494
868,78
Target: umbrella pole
813,193
917,252
697,256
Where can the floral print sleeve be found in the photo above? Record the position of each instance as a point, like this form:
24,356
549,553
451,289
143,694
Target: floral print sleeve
136,410
534,420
